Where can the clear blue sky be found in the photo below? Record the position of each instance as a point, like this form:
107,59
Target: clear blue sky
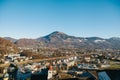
83,18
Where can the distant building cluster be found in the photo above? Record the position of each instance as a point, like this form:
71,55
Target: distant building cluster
60,64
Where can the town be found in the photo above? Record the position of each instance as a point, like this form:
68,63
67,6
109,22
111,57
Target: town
60,64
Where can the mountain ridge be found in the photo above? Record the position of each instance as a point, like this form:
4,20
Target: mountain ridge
59,39
8,38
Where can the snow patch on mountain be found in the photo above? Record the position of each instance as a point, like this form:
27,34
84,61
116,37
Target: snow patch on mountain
99,41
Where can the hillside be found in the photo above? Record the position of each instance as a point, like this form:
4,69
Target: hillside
26,43
7,47
10,39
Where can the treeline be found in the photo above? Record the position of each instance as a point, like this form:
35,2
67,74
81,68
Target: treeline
34,55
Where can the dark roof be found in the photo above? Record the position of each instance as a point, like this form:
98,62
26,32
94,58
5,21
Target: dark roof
113,74
87,75
70,79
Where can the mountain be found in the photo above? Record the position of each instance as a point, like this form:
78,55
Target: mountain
59,39
10,39
31,43
115,42
7,47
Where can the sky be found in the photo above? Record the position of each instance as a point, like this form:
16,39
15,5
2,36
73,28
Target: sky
81,18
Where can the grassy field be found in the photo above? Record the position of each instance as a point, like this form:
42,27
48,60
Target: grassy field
114,65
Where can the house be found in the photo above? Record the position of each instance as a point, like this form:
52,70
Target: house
87,58
69,64
104,65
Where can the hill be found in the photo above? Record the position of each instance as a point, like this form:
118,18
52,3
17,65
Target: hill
59,39
10,39
7,47
26,43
